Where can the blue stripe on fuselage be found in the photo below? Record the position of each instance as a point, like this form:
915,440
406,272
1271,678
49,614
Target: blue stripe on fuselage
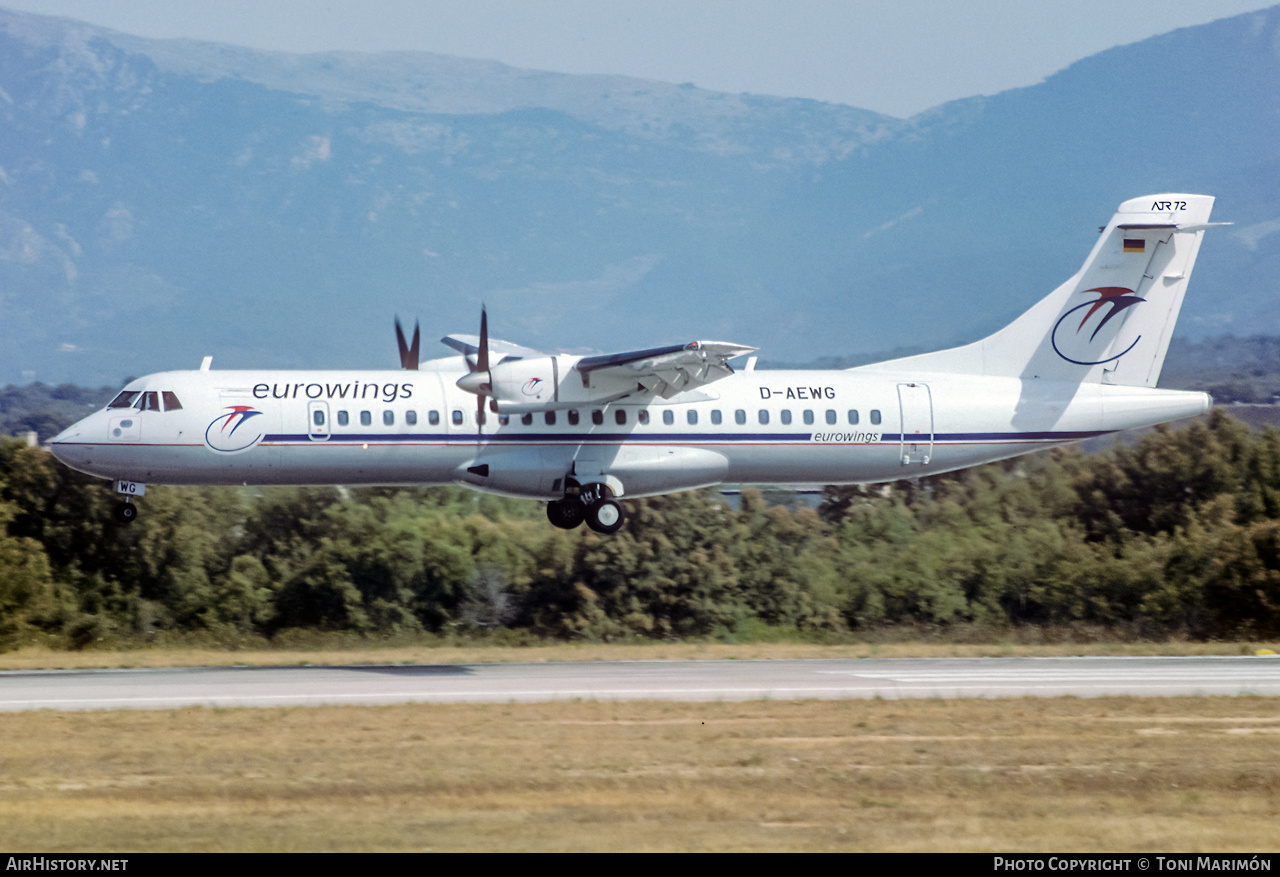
684,437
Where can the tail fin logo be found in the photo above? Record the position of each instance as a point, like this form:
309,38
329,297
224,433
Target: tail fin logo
1085,342
225,433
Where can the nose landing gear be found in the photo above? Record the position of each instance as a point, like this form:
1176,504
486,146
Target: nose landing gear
125,511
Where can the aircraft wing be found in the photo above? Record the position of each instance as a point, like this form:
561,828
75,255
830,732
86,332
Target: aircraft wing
666,370
469,346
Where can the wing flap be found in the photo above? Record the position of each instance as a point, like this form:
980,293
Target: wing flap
665,371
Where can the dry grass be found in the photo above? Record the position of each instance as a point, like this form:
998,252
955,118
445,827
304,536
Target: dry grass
32,658
1160,774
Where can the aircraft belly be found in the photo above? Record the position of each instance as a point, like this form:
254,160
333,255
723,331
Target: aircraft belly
123,461
656,469
829,463
533,472
541,471
369,463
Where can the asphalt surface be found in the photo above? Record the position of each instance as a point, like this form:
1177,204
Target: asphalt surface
637,680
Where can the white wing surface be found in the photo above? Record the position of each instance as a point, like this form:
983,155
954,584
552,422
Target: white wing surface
665,371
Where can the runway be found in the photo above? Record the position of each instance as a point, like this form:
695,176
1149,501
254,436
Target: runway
637,680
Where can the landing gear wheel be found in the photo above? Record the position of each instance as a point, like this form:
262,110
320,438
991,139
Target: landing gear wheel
566,513
605,516
125,512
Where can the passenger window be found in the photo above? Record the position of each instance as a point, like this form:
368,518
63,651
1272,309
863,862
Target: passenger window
365,418
668,417
831,415
504,420
550,418
411,418
875,416
597,417
573,417
853,417
643,417
620,416
457,417
388,418
739,417
764,416
343,418
317,417
171,402
526,420
716,418
124,400
808,416
785,415
433,418
692,417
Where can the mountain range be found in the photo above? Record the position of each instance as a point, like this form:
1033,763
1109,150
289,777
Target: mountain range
165,199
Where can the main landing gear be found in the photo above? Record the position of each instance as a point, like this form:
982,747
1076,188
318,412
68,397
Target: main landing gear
125,512
594,504
566,513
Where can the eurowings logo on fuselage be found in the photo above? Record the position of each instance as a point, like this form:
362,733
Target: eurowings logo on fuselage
1080,343
225,434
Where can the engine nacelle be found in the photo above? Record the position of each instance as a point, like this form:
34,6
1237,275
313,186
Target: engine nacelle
524,383
548,382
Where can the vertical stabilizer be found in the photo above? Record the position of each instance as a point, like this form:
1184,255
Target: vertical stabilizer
1112,321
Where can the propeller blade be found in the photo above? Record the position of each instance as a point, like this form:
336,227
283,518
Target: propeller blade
482,363
408,352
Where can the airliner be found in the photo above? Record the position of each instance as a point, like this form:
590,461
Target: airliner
585,433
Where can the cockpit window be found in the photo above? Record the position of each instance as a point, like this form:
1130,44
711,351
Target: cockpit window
146,401
124,400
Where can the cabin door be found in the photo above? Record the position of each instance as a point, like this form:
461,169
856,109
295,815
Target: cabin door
916,405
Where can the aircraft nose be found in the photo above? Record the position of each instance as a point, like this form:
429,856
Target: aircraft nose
64,445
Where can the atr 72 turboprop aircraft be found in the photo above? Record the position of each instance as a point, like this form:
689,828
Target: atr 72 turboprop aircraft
583,432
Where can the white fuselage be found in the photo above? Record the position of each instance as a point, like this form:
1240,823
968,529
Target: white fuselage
418,427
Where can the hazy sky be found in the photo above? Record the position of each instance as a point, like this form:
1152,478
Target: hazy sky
894,56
